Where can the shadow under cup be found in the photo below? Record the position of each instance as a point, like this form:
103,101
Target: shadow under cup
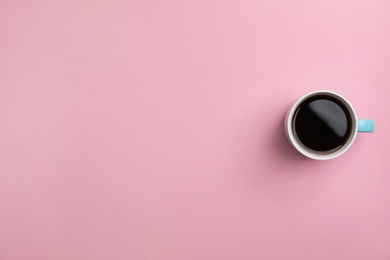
321,125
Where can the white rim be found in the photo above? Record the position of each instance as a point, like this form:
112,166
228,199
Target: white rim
308,153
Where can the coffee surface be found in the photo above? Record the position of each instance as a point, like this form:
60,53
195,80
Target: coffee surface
322,124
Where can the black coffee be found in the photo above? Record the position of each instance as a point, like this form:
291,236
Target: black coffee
322,124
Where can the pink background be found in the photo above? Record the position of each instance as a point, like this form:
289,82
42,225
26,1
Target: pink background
153,130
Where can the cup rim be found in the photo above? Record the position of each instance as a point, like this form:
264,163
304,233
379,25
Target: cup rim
308,153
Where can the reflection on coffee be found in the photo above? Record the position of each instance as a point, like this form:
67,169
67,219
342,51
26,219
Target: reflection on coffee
322,124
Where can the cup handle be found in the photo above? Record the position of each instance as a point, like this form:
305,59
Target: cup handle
365,125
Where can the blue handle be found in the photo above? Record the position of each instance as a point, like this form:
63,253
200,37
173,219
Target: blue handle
365,125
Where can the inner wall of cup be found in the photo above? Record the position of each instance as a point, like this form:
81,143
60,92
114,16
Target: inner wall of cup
353,128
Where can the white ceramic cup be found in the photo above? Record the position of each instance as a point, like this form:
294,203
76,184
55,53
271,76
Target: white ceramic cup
357,125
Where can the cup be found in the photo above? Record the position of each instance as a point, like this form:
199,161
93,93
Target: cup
322,125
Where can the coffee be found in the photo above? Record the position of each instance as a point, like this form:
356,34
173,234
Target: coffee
322,124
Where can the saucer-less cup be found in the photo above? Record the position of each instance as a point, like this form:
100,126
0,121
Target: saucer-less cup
321,118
